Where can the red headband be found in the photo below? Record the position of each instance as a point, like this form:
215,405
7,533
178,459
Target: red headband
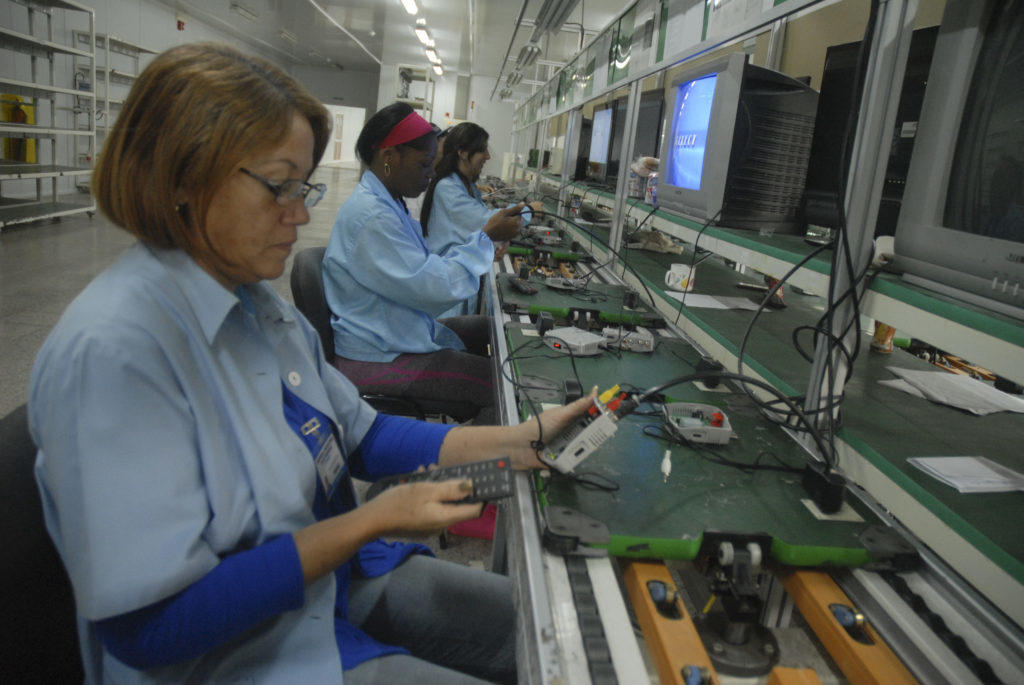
409,128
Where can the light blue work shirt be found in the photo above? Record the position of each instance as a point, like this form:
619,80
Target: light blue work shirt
384,287
156,405
455,218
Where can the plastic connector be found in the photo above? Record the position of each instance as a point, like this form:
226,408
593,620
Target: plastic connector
825,487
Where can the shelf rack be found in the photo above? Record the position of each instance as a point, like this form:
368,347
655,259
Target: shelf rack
47,99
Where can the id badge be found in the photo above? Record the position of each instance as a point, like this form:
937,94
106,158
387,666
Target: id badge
330,463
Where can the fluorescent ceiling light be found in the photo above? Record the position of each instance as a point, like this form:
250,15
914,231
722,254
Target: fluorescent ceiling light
432,56
410,6
528,54
438,70
244,11
288,36
423,36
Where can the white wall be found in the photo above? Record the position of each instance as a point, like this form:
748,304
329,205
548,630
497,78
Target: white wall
495,116
346,88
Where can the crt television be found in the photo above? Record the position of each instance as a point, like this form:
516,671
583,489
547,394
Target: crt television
648,124
739,137
823,199
961,226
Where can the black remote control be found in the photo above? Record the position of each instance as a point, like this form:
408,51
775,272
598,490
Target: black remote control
522,286
492,479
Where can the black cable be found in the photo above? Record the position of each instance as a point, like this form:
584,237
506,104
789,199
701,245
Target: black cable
610,248
659,432
826,449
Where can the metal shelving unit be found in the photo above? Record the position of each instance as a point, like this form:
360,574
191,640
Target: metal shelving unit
46,99
407,78
118,64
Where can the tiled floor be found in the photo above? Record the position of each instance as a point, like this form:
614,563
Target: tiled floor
44,265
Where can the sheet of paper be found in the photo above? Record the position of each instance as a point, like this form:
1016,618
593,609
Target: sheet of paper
963,392
970,474
900,384
713,301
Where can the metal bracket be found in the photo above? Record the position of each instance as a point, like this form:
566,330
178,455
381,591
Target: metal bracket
567,531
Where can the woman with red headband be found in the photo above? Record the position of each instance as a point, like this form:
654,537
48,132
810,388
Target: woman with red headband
386,290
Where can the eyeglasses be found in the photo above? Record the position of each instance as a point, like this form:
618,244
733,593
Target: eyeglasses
290,189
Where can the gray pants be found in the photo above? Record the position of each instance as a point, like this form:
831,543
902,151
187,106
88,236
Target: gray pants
457,622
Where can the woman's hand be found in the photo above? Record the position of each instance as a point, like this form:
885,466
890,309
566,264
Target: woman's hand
504,223
537,206
423,507
500,250
522,450
410,509
478,443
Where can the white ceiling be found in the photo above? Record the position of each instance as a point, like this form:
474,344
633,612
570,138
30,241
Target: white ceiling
386,30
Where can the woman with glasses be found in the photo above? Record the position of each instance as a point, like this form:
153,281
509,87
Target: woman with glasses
196,452
387,291
453,208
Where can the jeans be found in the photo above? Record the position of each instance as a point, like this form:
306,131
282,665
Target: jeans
458,624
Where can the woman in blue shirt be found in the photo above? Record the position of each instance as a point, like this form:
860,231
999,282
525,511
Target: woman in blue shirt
386,289
453,208
196,452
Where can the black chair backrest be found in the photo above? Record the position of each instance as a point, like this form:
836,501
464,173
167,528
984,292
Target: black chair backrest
38,630
308,292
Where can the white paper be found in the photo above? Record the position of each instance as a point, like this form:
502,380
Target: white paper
713,301
960,391
900,384
970,474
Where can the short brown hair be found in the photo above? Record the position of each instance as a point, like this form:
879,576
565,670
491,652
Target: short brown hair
194,114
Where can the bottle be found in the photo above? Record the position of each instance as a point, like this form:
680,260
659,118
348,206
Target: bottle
651,194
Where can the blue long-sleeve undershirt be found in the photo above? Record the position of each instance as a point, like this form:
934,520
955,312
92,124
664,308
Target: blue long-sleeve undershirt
252,586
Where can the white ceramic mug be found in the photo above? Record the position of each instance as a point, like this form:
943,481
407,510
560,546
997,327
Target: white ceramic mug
679,277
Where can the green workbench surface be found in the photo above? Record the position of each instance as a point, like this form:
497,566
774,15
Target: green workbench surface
884,425
650,517
769,351
603,297
887,426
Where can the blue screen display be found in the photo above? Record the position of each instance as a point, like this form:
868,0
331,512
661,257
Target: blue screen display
600,136
690,121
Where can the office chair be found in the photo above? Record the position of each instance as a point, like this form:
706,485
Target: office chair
38,628
308,292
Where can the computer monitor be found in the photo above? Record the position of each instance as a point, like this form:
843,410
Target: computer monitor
823,197
583,153
961,226
600,140
648,124
738,144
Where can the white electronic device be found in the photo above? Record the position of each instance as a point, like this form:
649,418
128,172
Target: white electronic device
639,340
573,340
586,434
699,423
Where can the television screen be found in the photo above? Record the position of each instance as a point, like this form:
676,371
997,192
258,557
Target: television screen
648,125
690,122
961,225
600,136
742,171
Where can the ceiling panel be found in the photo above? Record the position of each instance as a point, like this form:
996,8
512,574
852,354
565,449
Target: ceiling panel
385,29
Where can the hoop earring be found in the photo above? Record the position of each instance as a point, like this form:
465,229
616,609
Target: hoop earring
387,169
